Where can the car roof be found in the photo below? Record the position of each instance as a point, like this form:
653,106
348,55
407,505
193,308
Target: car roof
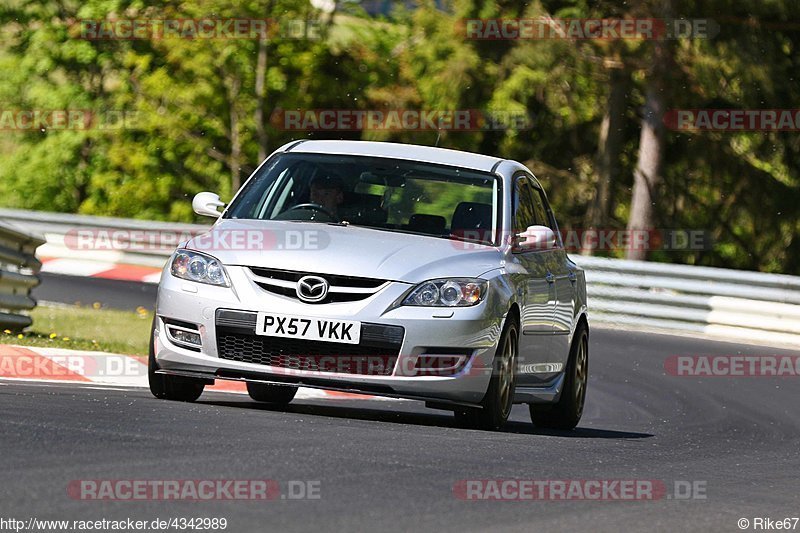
412,152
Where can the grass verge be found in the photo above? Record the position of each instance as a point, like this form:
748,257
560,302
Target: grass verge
86,328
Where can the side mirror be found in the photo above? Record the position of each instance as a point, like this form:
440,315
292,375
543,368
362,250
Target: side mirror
536,238
206,204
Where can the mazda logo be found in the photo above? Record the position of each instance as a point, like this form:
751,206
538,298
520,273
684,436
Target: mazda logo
312,288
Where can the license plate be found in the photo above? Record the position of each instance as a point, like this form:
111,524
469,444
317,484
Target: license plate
308,328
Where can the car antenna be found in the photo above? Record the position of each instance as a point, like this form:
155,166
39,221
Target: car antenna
438,136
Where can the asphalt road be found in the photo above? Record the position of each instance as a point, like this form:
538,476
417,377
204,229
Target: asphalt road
113,294
391,466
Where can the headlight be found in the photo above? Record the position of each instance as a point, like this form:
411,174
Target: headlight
198,267
457,292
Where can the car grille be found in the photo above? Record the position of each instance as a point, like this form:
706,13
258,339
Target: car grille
342,288
376,354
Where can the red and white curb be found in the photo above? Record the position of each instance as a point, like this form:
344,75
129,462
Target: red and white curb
100,269
57,365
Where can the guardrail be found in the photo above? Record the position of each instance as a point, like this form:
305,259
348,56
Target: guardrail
18,269
729,304
136,242
719,302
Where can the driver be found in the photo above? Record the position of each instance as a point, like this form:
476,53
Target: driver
328,191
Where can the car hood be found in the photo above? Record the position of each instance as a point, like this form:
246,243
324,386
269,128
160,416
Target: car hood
343,250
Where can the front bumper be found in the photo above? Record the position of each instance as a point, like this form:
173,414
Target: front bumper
472,331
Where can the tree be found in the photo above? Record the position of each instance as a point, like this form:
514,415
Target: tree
649,168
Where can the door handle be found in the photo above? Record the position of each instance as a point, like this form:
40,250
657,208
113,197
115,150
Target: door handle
573,277
550,278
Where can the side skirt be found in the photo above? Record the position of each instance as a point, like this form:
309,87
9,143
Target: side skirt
547,394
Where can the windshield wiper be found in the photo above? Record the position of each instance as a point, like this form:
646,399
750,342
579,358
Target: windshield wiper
461,238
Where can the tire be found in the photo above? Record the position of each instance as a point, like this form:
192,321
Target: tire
499,396
567,412
267,393
165,387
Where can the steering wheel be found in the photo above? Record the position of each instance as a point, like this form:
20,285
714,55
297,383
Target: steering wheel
314,207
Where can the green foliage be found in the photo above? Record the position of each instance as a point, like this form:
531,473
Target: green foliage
190,107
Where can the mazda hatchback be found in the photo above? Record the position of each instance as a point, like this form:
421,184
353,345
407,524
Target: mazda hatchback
383,269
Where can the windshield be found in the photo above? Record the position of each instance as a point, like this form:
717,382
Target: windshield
384,194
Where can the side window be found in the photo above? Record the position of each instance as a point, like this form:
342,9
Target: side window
541,211
524,205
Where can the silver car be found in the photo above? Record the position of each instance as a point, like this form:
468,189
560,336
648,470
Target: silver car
385,269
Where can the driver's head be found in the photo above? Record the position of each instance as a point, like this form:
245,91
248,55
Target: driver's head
327,191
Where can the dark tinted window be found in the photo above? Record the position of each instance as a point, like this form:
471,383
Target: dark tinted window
539,207
380,193
525,209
